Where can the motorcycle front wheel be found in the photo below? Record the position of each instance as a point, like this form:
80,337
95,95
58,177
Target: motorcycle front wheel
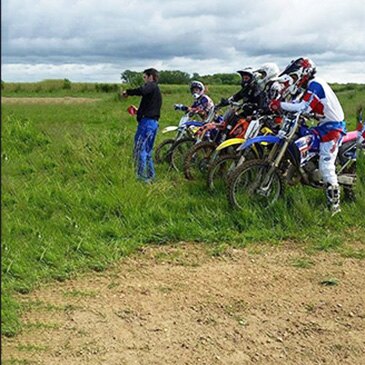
197,159
163,151
255,183
179,151
220,170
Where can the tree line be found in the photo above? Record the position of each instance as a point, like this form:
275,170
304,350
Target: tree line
181,78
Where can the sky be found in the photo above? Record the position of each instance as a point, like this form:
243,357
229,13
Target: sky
95,41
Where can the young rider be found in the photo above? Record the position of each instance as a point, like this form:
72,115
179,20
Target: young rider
202,104
254,88
320,99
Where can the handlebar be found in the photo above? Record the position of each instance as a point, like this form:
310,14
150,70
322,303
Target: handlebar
227,102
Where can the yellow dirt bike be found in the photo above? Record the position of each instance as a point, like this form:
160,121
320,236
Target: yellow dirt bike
227,158
231,125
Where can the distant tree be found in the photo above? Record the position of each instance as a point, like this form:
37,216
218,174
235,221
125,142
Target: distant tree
229,79
132,77
66,84
225,79
174,77
179,77
210,79
2,85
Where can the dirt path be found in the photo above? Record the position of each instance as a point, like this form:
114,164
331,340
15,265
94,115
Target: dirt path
47,100
182,305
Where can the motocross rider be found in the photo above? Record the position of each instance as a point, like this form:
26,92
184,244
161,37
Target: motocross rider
202,104
320,99
254,88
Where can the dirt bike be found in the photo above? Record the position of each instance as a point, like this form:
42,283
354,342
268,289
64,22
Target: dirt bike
198,158
184,130
183,145
227,158
293,159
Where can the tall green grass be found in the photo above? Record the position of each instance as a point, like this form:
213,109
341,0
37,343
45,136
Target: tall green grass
57,88
71,201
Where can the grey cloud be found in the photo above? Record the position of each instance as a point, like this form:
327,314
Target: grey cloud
211,31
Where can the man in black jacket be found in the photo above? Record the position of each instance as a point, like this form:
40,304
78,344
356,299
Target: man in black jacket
148,115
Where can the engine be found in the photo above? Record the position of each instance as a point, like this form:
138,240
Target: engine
311,168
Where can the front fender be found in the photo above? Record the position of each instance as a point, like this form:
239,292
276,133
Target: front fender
169,129
260,140
192,123
230,142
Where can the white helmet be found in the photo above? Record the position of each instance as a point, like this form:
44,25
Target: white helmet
266,73
301,71
197,85
281,87
247,77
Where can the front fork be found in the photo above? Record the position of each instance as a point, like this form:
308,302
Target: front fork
274,163
242,159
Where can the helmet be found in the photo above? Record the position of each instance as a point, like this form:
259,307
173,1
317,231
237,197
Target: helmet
247,77
197,85
265,73
301,70
280,87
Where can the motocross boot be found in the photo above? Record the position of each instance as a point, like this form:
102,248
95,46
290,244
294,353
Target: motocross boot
333,198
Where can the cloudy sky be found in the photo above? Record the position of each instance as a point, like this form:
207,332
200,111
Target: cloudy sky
93,40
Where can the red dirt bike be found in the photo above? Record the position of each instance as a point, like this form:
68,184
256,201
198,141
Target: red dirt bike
198,158
180,148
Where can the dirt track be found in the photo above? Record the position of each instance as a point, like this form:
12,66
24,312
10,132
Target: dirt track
181,305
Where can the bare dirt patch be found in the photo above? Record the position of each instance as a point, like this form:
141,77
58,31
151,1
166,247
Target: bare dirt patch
183,305
47,100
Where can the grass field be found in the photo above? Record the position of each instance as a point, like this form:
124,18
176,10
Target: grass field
71,202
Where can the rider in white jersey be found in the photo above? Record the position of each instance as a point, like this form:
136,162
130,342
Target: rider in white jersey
320,99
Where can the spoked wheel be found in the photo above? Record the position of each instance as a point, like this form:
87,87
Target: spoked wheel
178,152
255,183
163,151
197,160
220,171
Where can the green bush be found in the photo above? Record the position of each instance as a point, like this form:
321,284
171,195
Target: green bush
66,84
106,88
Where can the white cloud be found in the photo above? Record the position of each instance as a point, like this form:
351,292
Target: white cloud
208,36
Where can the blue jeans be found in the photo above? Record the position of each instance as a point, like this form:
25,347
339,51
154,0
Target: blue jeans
143,148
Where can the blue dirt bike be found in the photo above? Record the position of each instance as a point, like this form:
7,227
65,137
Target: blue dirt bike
293,158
